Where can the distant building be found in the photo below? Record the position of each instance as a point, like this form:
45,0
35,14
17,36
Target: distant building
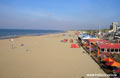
114,24
118,28
115,30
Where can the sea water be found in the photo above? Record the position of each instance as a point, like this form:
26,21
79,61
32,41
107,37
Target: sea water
8,33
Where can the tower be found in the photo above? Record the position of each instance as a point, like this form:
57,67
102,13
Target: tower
114,24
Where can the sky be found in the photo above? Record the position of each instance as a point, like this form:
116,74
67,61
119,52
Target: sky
58,14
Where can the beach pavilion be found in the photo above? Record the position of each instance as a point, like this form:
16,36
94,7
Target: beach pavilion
109,47
92,43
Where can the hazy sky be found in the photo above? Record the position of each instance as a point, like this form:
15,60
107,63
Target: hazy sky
58,14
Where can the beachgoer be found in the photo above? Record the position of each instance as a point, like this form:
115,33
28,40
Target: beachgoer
12,43
71,40
79,39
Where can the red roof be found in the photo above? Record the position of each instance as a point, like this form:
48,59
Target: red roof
110,45
98,40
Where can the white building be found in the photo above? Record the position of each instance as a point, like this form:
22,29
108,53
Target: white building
114,24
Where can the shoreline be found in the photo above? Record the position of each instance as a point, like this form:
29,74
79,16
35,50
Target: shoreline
30,35
13,33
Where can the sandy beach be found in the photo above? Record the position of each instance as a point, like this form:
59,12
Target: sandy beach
45,57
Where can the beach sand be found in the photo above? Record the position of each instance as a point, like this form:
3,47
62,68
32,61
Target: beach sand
45,57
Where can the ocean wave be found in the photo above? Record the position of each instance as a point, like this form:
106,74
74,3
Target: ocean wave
10,33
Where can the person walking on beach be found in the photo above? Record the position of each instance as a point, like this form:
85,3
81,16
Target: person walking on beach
12,43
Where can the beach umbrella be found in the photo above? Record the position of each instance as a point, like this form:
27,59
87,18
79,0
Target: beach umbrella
116,64
108,59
